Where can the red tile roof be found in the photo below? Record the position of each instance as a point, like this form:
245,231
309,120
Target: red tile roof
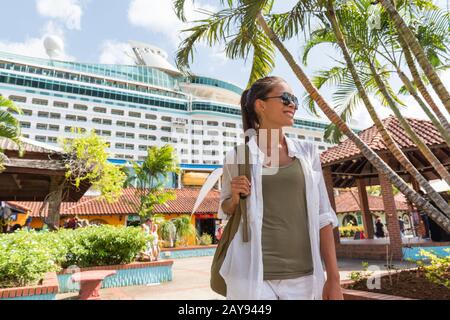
19,206
348,201
347,149
91,205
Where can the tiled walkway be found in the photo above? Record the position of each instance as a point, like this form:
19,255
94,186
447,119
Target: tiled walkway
191,282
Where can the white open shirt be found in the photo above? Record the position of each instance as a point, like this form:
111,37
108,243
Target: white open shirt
242,268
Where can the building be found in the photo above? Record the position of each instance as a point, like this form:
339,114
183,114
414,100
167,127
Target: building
349,212
124,211
132,106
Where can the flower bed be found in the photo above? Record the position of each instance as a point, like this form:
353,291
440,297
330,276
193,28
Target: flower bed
405,285
47,290
133,274
187,252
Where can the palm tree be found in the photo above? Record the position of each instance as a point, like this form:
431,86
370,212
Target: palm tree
250,21
357,27
432,35
367,56
411,41
423,91
9,125
148,179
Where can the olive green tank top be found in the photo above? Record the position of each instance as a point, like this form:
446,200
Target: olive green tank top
286,244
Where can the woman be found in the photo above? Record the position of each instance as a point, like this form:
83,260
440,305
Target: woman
149,252
290,219
155,244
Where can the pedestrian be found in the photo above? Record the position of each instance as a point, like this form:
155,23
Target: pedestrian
219,232
290,219
379,228
401,224
155,242
147,228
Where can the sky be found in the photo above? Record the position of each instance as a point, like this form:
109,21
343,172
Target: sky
97,31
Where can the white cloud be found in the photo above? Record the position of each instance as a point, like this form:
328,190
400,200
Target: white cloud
34,46
68,12
158,16
114,52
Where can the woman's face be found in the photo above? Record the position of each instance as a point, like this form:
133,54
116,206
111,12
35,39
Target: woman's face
273,113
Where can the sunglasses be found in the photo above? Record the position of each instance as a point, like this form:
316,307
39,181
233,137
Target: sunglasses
286,99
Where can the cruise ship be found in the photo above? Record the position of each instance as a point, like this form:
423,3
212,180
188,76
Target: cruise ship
132,106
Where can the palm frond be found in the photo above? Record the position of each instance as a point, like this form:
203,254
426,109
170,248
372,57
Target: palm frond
212,30
316,38
263,57
292,23
332,134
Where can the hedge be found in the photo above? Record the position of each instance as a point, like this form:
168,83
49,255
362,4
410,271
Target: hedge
25,256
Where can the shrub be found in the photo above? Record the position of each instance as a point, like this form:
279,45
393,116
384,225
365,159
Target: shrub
205,239
438,271
103,245
168,233
25,256
185,228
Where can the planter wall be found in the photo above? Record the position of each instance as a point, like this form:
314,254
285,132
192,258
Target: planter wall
365,295
134,274
187,252
46,291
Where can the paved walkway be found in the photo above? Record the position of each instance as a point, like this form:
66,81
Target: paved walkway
191,282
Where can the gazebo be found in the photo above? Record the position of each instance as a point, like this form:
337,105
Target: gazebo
37,175
344,167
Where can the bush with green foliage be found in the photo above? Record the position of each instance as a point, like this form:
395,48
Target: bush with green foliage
102,245
438,270
25,256
185,228
205,239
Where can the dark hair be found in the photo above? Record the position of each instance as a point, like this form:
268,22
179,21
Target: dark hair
260,88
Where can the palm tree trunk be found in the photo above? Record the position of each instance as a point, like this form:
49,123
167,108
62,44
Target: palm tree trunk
371,156
407,35
420,85
409,86
437,165
54,199
388,140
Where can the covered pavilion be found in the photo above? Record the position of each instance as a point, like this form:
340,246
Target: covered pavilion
344,166
37,175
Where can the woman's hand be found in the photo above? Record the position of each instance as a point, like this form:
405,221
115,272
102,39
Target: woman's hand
239,184
332,290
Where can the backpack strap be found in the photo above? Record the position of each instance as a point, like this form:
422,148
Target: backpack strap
244,169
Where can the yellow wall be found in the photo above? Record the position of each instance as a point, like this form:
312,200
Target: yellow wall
21,219
37,223
114,220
